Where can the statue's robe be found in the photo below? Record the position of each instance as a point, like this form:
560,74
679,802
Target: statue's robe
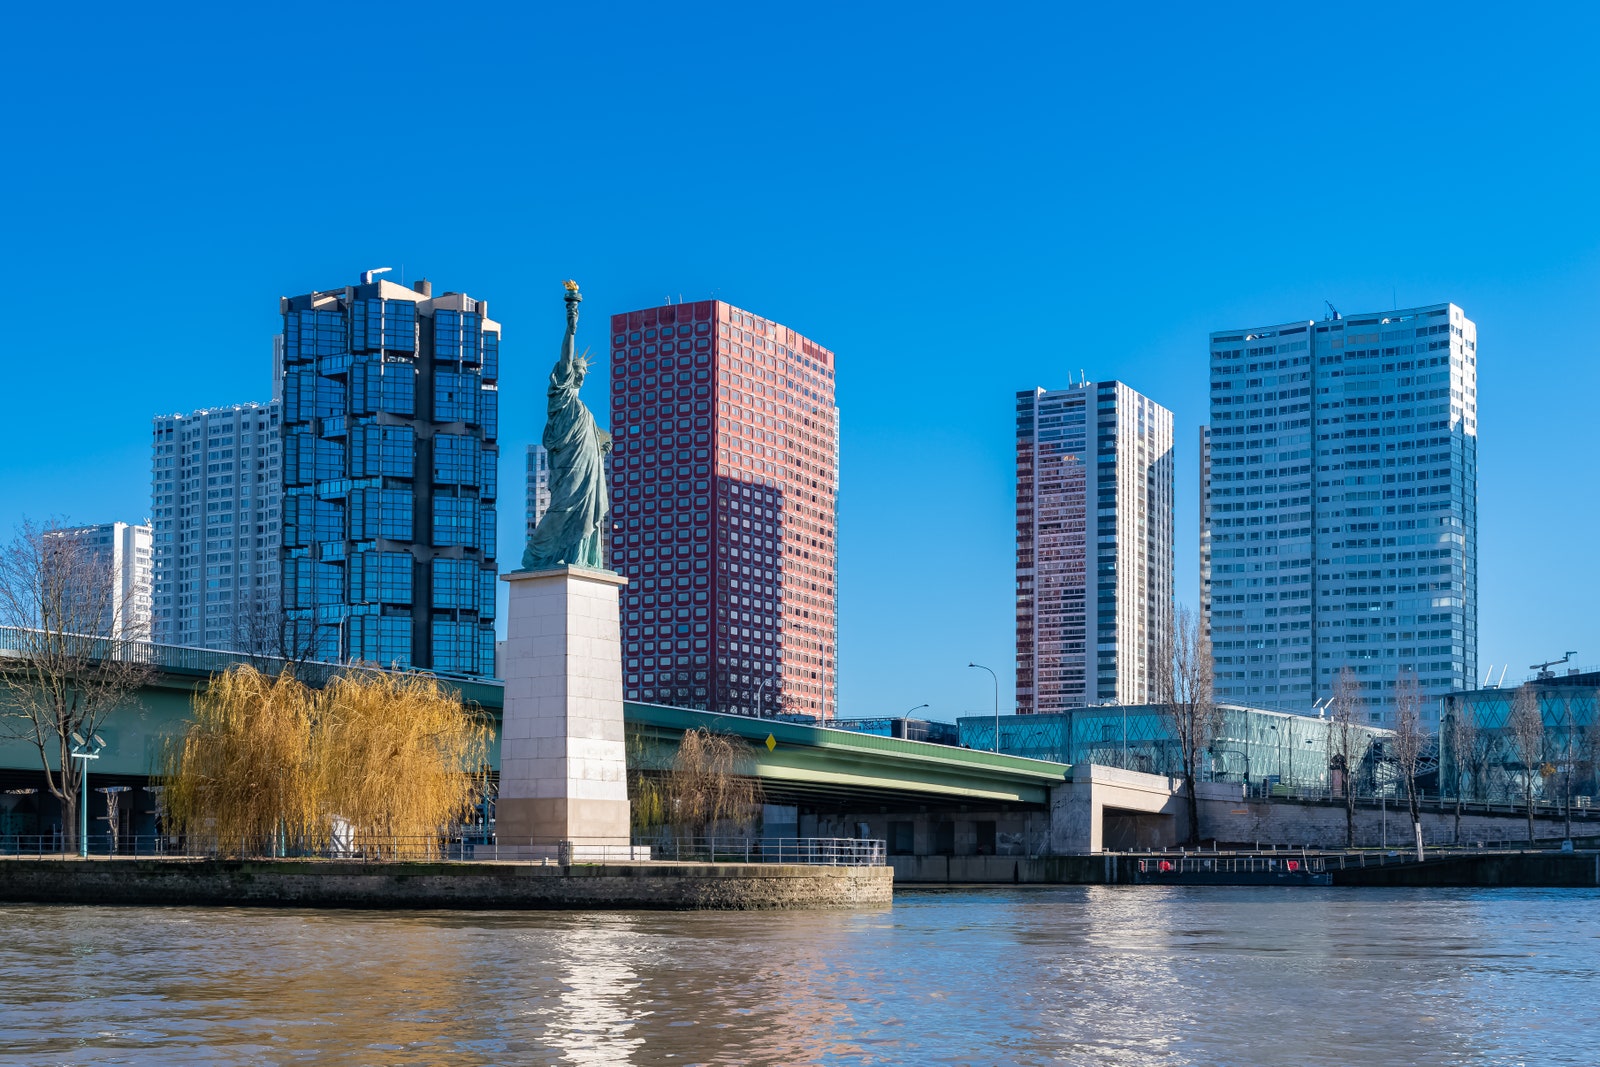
570,530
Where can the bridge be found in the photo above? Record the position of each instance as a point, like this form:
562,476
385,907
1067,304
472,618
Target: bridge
839,769
953,806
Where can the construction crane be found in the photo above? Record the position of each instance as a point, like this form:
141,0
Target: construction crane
1544,668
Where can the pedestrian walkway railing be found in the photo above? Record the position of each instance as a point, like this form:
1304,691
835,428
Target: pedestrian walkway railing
830,851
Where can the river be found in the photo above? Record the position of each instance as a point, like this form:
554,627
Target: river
1064,975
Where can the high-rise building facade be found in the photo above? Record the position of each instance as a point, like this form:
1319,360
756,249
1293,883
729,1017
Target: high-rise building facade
538,486
724,492
390,431
120,556
1340,512
1094,546
216,493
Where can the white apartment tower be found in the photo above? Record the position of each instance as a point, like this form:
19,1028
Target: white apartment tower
1094,546
1339,507
123,549
216,493
538,496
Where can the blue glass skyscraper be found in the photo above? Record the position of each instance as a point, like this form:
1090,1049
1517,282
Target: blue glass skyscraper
390,430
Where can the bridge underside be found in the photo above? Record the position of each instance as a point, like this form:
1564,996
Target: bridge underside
836,771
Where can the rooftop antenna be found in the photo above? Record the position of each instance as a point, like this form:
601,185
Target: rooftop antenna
1502,678
1487,675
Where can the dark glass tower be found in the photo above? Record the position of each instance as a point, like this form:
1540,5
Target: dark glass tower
390,428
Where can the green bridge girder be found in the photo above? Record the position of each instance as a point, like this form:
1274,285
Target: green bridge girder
813,762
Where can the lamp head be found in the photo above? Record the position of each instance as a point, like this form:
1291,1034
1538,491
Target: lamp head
77,738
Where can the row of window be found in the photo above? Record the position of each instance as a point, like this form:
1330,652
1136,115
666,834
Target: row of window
387,513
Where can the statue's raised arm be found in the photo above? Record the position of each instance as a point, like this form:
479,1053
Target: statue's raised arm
569,343
570,530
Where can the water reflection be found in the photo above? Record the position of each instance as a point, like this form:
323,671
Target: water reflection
1101,975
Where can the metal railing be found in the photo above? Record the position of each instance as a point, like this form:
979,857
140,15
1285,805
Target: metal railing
1158,865
23,641
825,851
830,851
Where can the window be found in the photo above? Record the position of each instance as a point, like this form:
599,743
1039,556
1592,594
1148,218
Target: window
457,459
455,584
455,397
455,521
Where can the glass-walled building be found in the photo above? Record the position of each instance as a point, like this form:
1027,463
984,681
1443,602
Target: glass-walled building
1488,762
391,429
1340,508
1255,746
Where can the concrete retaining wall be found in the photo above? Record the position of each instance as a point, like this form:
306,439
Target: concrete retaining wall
1021,870
1539,869
1321,824
337,884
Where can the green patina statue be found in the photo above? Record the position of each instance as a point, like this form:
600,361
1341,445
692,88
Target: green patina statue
569,532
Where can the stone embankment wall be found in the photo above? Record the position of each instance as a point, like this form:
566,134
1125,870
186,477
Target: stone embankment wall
1544,869
341,884
1320,824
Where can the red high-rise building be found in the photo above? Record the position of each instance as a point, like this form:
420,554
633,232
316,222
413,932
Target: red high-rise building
723,495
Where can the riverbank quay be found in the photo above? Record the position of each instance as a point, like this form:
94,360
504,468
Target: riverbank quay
461,885
1482,870
1466,868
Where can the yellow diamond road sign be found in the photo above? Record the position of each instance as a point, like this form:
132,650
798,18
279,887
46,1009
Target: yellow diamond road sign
772,742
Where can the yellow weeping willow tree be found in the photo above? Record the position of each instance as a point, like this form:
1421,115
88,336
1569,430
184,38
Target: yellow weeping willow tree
711,785
372,762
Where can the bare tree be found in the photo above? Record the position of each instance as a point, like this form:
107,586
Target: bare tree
1187,703
1569,730
1463,745
65,672
1527,737
261,632
1409,740
1343,739
712,785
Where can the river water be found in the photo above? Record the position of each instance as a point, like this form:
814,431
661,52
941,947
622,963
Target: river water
1068,975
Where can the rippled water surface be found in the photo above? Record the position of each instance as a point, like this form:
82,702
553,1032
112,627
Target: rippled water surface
1096,975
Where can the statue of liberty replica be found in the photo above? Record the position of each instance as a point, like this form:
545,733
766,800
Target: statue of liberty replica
570,531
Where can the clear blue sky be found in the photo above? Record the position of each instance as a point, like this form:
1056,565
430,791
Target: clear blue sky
961,201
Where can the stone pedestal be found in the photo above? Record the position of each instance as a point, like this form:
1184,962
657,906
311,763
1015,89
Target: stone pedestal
563,775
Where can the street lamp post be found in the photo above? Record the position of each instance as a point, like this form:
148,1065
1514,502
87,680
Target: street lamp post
759,688
919,707
996,678
85,751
